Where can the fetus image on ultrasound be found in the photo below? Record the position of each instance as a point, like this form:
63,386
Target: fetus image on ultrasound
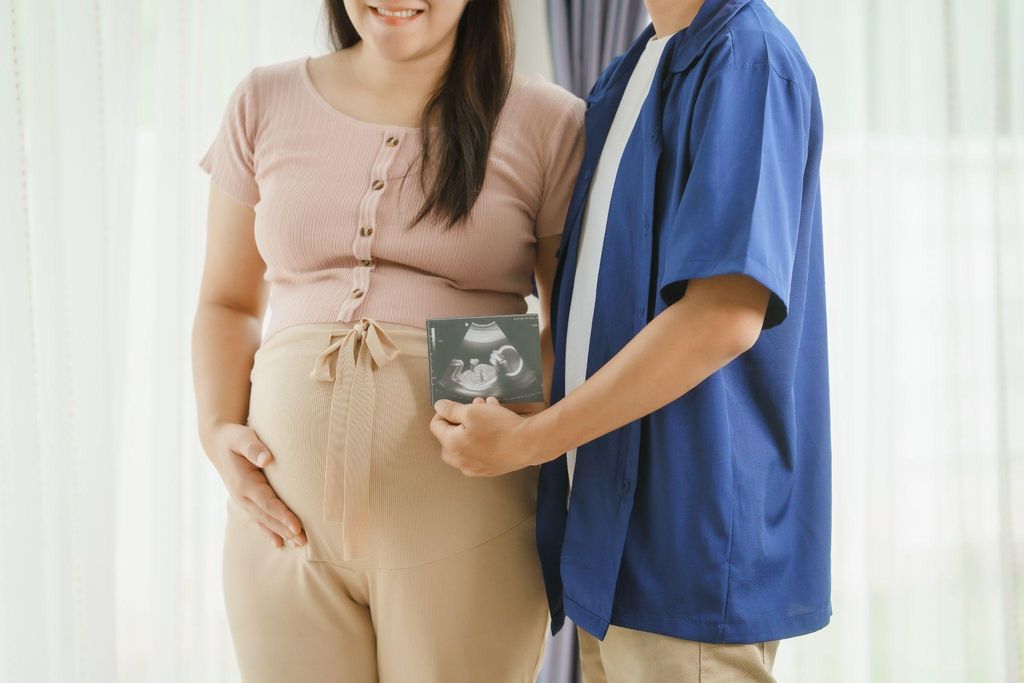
495,356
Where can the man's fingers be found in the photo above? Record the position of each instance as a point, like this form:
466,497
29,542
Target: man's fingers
493,401
436,424
451,411
478,400
442,429
449,435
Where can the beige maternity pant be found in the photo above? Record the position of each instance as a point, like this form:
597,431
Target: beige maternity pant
412,572
626,655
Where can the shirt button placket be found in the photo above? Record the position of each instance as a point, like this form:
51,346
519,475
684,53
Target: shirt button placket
362,248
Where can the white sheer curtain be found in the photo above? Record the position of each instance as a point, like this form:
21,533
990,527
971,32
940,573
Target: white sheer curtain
111,519
923,183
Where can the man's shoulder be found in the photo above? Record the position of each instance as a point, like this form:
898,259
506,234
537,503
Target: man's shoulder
756,36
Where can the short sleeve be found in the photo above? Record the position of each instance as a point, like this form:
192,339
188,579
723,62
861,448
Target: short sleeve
564,144
740,209
230,157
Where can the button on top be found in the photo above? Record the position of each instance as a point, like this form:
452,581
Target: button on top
377,184
391,141
366,262
366,231
357,293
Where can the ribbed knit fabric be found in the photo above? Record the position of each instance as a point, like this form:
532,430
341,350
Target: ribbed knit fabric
333,197
449,588
420,509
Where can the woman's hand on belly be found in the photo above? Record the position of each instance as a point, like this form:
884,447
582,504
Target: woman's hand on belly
240,456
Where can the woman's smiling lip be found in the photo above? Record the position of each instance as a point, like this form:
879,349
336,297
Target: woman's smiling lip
396,16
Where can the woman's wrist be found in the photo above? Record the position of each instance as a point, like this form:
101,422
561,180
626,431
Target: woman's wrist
209,432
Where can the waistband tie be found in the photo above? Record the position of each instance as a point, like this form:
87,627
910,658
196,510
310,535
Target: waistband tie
349,361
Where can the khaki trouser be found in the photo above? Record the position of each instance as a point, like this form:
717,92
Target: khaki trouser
412,571
626,655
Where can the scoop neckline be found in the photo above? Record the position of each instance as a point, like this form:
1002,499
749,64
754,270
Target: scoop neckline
337,113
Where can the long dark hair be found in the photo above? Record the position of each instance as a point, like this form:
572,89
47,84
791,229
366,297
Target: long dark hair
465,106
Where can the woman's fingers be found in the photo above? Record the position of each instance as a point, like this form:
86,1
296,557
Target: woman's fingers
274,508
245,477
271,536
239,463
252,516
297,541
261,518
252,449
266,524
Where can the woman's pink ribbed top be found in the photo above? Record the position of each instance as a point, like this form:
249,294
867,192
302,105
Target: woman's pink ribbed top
332,206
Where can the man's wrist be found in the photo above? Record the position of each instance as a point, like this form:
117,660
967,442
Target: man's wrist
539,436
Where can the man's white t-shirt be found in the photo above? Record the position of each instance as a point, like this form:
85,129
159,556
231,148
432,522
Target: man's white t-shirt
595,219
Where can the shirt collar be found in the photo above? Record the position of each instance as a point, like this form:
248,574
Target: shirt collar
709,22
686,44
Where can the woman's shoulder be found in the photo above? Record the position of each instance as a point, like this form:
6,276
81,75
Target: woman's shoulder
543,100
264,89
269,77
543,112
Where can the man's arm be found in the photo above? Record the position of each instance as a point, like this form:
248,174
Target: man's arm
718,319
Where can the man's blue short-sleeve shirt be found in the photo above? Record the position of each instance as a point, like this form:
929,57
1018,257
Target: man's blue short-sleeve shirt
710,518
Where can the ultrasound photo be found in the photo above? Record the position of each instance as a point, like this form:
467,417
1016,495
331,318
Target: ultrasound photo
485,356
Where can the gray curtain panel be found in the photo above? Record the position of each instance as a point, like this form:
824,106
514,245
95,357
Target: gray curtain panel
585,36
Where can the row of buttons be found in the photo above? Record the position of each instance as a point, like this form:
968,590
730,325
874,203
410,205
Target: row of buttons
366,231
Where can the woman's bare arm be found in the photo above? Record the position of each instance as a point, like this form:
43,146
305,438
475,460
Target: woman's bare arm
228,323
225,336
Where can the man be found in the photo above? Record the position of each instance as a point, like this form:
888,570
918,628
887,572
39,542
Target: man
690,348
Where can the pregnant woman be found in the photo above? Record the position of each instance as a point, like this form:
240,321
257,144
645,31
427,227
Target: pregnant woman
404,176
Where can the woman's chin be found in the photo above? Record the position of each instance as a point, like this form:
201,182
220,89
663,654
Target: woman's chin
394,46
396,49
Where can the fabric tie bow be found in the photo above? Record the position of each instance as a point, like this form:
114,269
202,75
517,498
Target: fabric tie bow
349,361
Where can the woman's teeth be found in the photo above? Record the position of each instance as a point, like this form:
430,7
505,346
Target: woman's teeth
404,13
